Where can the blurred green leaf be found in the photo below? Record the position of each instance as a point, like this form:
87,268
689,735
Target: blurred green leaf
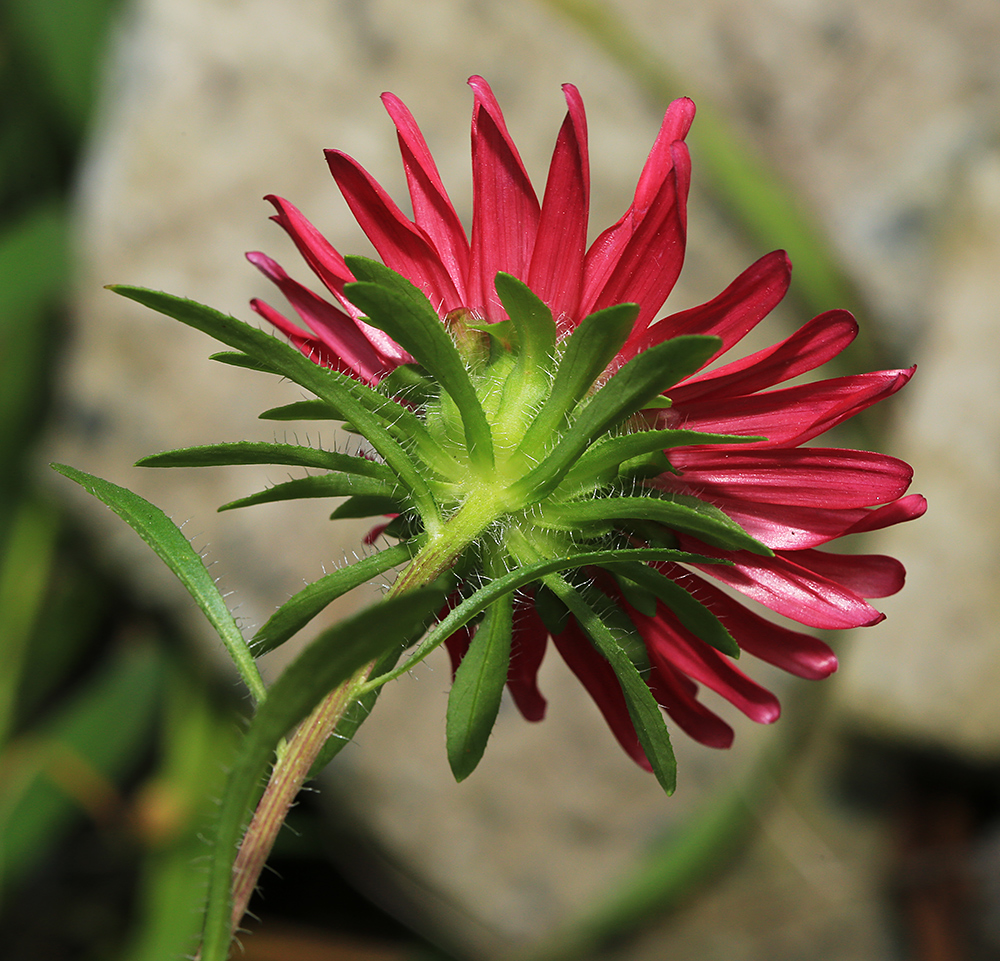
76,758
198,741
25,569
34,265
63,41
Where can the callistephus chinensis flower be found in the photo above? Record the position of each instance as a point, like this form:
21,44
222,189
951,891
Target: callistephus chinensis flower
708,466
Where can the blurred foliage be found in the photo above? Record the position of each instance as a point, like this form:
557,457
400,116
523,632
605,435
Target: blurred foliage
109,738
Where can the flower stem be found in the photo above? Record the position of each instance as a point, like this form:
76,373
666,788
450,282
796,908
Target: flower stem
287,777
292,766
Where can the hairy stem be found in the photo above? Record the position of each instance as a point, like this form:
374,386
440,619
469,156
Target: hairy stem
290,772
291,768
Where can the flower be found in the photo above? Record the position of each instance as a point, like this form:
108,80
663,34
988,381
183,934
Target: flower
790,499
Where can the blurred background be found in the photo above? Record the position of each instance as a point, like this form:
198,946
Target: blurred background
136,140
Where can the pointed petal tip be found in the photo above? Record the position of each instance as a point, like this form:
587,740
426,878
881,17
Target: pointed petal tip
480,87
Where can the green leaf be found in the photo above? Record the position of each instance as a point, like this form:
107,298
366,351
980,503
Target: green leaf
697,618
367,505
395,306
300,609
368,413
173,548
585,356
334,657
303,410
34,266
679,512
647,718
254,452
638,597
634,385
409,382
474,700
527,573
235,358
323,485
551,610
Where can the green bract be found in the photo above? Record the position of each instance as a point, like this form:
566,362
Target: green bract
510,458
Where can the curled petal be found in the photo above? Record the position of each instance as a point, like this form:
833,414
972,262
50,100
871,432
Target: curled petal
332,326
527,652
676,694
675,126
905,509
605,253
793,651
645,267
311,347
784,527
867,575
316,250
669,642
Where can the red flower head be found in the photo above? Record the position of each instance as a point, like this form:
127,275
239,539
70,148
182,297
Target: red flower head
790,499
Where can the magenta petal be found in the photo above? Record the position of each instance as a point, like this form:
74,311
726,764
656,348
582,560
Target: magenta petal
316,250
311,347
808,476
800,654
433,212
607,252
401,245
810,346
596,675
556,273
676,694
785,528
668,641
867,575
905,509
731,315
338,331
505,209
675,126
645,267
790,416
527,651
788,588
